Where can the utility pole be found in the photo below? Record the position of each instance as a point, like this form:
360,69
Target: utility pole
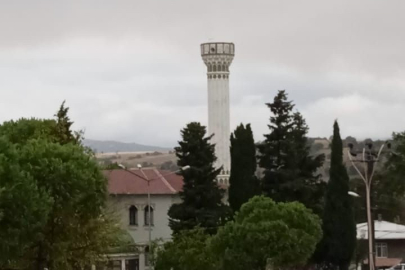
368,159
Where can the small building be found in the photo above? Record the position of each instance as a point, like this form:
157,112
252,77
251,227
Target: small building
128,200
389,243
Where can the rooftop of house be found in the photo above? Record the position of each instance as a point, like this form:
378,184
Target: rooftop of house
161,182
383,230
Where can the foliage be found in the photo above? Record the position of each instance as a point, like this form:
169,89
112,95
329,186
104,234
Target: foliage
58,209
23,207
290,173
264,232
63,129
189,250
339,227
243,182
201,196
19,132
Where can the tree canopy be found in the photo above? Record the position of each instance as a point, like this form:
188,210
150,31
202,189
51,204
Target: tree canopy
53,199
265,232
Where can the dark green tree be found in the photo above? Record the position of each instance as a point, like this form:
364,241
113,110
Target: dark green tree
339,228
243,182
201,196
290,172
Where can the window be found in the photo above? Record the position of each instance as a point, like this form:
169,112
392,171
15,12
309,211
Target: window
147,216
133,215
132,264
381,250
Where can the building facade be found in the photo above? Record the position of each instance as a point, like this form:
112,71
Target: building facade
389,243
128,201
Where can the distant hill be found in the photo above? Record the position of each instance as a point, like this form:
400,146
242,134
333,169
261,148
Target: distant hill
114,146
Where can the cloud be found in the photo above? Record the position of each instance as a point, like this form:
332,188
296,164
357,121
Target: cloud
131,70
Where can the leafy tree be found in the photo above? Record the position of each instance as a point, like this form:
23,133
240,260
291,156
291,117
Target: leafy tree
264,233
201,196
23,207
19,132
243,182
65,225
290,173
339,228
189,250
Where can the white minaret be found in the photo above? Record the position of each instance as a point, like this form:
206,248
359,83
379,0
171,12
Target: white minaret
218,57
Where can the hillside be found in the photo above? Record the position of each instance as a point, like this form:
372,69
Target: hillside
115,146
150,156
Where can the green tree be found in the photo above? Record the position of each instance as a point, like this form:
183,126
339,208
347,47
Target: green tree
189,250
283,235
68,194
22,130
23,207
290,172
339,228
243,182
201,196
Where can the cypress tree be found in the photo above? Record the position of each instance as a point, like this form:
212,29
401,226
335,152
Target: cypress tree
290,173
201,196
339,228
63,127
243,182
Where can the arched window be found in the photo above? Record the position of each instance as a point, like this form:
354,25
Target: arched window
219,67
133,215
224,68
214,68
146,215
209,68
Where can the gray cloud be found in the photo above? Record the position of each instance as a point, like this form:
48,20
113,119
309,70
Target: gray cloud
131,70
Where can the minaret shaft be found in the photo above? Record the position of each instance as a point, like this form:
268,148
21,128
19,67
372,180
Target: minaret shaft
218,57
218,120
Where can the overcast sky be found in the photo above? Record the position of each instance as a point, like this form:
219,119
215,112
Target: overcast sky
131,70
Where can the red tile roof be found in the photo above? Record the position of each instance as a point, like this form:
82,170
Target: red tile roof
161,182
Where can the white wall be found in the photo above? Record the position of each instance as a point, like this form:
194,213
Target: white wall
120,204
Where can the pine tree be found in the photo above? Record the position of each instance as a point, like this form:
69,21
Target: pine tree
243,182
339,228
290,173
201,196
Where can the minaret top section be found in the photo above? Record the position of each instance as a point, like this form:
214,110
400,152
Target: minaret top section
217,48
217,57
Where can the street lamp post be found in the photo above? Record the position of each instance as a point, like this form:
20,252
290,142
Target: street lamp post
368,158
148,180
